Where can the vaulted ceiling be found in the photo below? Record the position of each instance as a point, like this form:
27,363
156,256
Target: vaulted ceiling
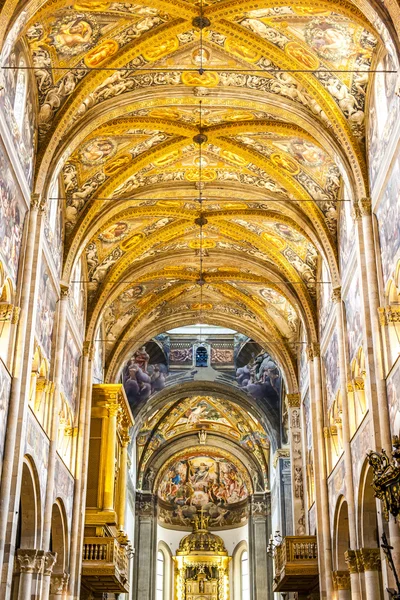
277,91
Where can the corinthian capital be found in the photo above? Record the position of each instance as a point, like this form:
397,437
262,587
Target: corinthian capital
370,558
336,294
341,580
35,201
30,561
50,559
365,206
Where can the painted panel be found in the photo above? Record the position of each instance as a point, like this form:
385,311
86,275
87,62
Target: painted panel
70,370
336,487
360,444
331,367
46,309
18,87
5,388
352,304
388,214
37,446
393,394
64,487
12,214
54,237
383,116
346,234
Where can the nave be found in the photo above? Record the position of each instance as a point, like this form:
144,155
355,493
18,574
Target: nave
199,300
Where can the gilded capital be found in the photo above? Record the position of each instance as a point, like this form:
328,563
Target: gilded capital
64,290
87,349
382,316
370,558
341,580
365,207
35,201
356,212
113,408
313,351
336,294
350,556
293,400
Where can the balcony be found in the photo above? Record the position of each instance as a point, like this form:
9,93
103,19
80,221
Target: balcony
296,564
105,565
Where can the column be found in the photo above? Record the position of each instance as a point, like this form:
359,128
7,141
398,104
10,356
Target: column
378,350
317,469
109,482
373,297
261,568
337,299
79,472
296,463
75,582
50,488
341,582
144,575
122,482
321,481
16,384
371,561
29,562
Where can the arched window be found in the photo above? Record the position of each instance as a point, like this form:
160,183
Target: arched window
244,573
20,93
160,576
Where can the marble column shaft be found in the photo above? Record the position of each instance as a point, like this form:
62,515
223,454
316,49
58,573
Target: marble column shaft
79,474
261,572
144,576
337,298
51,468
371,562
317,477
378,350
326,551
16,384
75,591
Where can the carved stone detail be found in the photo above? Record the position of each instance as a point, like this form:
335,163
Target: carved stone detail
350,557
30,561
59,583
280,453
35,201
365,207
370,558
293,400
336,294
50,559
341,580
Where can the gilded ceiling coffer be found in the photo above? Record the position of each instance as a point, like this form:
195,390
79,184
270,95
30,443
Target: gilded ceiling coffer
201,565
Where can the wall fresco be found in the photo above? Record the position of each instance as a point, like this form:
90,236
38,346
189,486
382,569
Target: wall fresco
46,308
330,361
352,304
5,388
70,370
388,215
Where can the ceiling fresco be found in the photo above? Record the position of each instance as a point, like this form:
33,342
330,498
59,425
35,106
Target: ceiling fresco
276,92
203,476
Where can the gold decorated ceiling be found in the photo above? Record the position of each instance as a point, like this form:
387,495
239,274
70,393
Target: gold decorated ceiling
278,89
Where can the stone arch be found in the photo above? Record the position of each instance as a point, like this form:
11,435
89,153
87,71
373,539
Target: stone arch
30,518
59,536
341,534
367,508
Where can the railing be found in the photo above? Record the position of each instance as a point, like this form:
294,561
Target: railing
108,556
295,556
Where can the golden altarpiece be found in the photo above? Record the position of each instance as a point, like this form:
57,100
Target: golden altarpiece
201,565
